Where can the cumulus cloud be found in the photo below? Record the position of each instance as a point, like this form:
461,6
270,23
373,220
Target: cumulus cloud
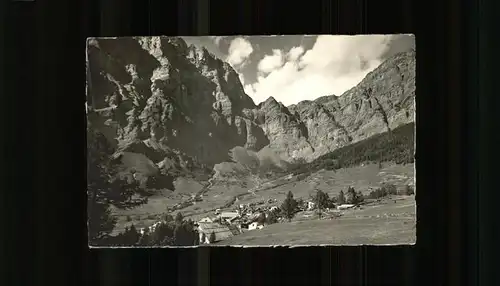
271,62
295,53
239,50
332,66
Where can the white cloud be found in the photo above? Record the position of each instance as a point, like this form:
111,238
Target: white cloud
332,66
271,62
242,79
295,53
239,50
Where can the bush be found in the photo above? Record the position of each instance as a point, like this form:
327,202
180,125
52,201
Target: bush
271,218
408,190
262,218
169,218
353,197
360,197
301,204
389,189
377,194
212,237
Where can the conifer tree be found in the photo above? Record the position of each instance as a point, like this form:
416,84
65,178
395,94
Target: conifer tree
351,196
289,206
179,218
103,188
341,198
212,237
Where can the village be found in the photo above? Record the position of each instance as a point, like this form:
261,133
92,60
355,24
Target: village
223,224
251,217
233,218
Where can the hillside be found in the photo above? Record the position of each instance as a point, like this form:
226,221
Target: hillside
180,109
397,146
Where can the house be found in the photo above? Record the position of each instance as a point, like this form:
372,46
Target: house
255,225
205,219
254,216
310,205
274,208
243,225
229,216
205,229
345,206
150,228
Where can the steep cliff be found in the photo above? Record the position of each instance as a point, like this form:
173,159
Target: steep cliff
382,101
159,97
183,108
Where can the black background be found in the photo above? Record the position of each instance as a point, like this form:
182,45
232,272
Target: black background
43,140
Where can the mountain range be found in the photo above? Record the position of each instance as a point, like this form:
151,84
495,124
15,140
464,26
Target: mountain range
170,107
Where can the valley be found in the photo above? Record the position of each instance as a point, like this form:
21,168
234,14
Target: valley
172,133
363,178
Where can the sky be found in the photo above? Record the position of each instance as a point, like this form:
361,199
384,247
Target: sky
294,68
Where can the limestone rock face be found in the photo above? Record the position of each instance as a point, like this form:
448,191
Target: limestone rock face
288,135
181,106
161,94
383,100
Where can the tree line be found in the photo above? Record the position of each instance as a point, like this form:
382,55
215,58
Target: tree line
396,145
169,232
290,206
105,189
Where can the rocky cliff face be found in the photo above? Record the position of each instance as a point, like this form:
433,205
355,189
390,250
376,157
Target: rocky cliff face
383,100
159,97
180,106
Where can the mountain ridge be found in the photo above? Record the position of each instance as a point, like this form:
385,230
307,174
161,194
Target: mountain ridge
159,97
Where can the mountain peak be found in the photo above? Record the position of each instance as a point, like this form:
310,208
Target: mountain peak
271,101
175,97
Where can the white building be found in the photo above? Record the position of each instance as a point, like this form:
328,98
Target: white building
345,206
206,219
221,232
310,205
229,216
255,225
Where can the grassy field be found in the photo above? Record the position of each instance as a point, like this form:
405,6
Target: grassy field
157,205
393,150
331,182
389,223
147,214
